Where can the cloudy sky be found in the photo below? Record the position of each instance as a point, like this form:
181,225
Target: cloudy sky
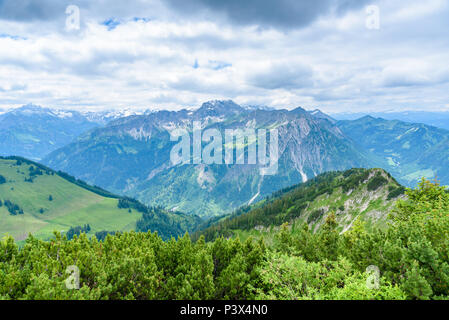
179,53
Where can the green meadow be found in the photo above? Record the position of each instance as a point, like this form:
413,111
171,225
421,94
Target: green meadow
51,203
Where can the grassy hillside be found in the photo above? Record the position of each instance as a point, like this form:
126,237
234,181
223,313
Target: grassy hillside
71,205
365,193
42,201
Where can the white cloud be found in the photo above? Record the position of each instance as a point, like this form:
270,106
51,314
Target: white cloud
173,60
419,9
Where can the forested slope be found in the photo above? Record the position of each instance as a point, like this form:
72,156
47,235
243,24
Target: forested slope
366,193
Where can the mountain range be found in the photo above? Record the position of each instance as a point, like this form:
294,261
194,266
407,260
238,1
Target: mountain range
33,132
409,151
131,156
438,119
128,153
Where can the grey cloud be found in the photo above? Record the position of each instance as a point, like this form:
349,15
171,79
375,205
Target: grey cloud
31,10
24,97
287,76
403,81
284,14
331,95
394,81
98,63
55,10
348,60
14,87
412,78
198,85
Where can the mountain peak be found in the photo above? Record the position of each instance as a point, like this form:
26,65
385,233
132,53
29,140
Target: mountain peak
30,109
368,118
299,111
258,107
220,104
219,107
317,113
30,106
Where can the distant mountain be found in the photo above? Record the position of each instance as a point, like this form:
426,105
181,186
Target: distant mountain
408,150
105,116
218,110
367,194
436,119
35,199
131,156
257,107
33,132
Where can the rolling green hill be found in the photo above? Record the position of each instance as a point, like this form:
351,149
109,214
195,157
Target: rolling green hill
38,200
365,193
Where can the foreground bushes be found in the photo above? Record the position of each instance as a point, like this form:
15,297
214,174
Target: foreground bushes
293,278
412,255
129,266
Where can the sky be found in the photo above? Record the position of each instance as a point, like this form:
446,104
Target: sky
335,55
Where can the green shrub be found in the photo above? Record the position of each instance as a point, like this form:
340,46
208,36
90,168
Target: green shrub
376,182
315,215
394,192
